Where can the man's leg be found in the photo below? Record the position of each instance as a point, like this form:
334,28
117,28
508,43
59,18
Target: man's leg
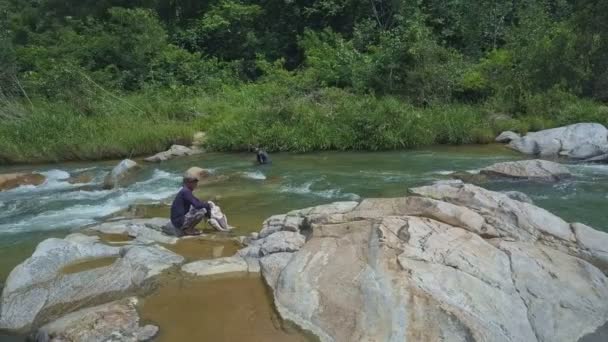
193,217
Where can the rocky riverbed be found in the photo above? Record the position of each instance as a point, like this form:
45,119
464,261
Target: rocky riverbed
452,262
440,261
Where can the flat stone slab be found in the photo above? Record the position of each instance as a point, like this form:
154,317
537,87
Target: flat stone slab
204,268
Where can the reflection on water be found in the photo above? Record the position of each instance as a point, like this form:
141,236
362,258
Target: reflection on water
221,309
198,248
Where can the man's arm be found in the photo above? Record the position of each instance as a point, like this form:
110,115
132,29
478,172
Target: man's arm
195,202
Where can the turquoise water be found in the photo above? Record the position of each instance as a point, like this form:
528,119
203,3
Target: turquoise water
250,193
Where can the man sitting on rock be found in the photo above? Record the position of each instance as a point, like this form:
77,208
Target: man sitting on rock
187,211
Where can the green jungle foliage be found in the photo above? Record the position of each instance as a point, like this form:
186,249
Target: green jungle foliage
91,79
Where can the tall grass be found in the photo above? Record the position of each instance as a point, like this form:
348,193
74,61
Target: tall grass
279,115
56,131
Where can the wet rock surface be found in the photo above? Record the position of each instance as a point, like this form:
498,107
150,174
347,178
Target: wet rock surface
173,152
534,170
457,263
578,141
115,321
10,181
121,174
37,291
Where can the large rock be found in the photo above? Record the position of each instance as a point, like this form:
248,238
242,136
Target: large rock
37,290
121,174
426,269
115,321
567,140
173,152
541,170
144,231
587,151
283,241
594,242
13,180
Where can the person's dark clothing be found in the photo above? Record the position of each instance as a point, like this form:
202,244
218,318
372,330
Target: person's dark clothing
263,157
181,206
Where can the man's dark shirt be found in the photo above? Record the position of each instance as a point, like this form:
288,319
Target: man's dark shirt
181,206
263,158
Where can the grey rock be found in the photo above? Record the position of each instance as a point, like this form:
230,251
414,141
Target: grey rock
271,267
100,324
203,268
518,196
511,218
426,269
603,158
525,145
538,170
565,296
282,242
145,231
252,251
28,298
586,151
593,241
507,136
562,140
173,152
121,174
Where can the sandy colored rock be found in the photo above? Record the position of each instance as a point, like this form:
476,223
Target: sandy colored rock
13,180
536,170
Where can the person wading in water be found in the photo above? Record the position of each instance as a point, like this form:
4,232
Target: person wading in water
262,156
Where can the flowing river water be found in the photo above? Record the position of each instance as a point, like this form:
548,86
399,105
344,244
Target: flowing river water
229,309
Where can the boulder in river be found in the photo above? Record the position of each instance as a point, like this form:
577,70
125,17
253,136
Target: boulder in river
13,180
536,169
173,152
144,231
580,141
120,174
586,151
115,321
37,289
426,269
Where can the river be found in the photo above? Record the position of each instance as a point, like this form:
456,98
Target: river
251,193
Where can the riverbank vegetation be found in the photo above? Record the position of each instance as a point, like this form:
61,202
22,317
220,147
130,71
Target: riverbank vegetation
117,78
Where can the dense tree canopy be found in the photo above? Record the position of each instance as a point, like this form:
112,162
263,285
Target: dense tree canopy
426,51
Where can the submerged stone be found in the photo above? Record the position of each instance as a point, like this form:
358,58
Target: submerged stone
115,321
